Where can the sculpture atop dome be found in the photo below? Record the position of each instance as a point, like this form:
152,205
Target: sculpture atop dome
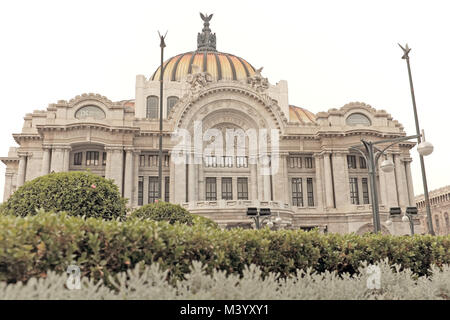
206,40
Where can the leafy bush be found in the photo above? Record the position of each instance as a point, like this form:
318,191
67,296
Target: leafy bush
163,211
150,282
200,220
31,246
77,193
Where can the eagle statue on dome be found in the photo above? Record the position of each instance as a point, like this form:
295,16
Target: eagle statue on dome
205,17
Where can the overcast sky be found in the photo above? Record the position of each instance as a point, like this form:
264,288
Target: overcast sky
330,52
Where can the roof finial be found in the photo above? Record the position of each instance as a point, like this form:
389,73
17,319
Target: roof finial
206,40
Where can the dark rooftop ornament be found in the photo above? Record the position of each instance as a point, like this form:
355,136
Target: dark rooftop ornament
206,41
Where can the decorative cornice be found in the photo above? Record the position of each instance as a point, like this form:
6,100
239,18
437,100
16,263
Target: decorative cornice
76,126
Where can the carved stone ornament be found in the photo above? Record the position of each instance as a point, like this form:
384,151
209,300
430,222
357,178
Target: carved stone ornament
258,82
198,80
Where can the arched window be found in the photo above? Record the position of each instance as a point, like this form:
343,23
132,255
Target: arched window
152,107
358,119
436,219
90,112
171,101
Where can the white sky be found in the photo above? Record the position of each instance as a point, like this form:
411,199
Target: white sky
330,52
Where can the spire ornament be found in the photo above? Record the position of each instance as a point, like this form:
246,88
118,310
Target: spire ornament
206,41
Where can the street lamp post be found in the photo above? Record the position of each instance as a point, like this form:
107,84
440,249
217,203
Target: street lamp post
408,217
405,56
161,77
259,216
372,156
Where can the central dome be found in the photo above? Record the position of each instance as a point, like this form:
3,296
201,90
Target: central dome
222,66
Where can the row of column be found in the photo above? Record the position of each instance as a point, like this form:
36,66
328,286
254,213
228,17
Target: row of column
259,185
332,177
394,188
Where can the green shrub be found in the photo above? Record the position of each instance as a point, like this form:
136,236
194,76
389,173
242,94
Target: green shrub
77,193
150,282
31,246
200,220
163,211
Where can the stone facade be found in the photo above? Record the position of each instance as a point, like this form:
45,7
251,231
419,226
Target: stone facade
440,208
309,188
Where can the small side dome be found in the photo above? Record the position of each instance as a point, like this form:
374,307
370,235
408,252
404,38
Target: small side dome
303,116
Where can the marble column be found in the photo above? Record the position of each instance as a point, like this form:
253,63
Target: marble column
66,159
279,178
8,185
318,187
171,179
329,202
192,188
22,169
57,161
179,182
391,186
129,175
341,180
45,161
201,179
409,182
114,170
382,190
136,154
253,183
402,185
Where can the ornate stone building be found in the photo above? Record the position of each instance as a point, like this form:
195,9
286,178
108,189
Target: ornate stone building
440,208
318,182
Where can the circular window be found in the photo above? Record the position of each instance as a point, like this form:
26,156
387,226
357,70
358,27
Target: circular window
358,119
90,112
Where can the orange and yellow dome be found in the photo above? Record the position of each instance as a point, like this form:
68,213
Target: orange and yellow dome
222,66
303,116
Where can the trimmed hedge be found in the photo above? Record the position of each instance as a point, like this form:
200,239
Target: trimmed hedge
163,211
32,245
77,193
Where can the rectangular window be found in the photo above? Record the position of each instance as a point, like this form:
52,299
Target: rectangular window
141,160
166,160
310,191
351,162
227,189
166,189
295,161
354,196
153,189
365,191
211,190
92,158
309,162
297,192
242,162
153,160
362,163
141,191
242,188
78,158
104,159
